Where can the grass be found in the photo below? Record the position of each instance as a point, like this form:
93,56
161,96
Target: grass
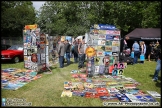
47,90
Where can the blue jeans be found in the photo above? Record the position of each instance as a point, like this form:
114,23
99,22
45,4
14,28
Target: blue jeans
61,61
68,58
81,60
136,54
75,57
157,70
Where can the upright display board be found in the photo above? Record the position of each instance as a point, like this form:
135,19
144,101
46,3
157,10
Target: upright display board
35,48
106,41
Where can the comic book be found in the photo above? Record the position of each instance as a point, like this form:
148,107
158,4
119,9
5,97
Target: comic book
67,93
145,98
112,91
67,85
111,97
132,97
77,86
78,93
123,98
154,94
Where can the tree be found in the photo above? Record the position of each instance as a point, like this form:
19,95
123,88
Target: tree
76,17
15,15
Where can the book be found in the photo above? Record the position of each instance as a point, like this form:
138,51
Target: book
145,98
154,94
67,85
132,97
67,93
123,98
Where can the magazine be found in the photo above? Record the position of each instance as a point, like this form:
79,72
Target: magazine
154,94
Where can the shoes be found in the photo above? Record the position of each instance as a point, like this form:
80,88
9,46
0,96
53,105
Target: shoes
154,80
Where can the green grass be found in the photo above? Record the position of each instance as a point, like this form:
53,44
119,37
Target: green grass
47,90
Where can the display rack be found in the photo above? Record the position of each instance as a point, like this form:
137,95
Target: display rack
35,49
106,41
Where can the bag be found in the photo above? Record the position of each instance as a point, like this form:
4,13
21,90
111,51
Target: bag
128,60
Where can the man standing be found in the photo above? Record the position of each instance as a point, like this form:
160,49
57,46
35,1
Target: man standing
67,51
157,69
75,51
136,49
125,46
61,53
81,54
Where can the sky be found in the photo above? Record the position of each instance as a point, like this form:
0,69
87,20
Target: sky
38,4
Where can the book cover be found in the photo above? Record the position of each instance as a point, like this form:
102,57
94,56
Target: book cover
114,72
101,36
96,70
123,98
108,43
108,48
154,94
77,86
67,93
132,97
100,53
101,42
111,97
67,85
145,98
100,48
78,93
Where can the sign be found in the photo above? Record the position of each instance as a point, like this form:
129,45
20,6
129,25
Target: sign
90,51
28,27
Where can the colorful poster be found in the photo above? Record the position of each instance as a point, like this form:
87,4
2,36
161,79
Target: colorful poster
108,48
108,43
28,27
115,48
100,53
100,48
109,37
115,43
101,36
96,69
101,42
35,48
108,53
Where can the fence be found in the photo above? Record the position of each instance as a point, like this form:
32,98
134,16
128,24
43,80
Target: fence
12,40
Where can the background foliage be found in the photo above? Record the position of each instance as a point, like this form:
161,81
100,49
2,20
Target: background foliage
75,18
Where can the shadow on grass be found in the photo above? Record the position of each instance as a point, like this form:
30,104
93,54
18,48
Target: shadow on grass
159,77
158,83
66,65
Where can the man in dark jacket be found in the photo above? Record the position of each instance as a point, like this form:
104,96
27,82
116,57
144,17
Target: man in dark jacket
67,51
75,51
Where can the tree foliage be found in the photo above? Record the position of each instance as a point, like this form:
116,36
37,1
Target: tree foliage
75,18
15,15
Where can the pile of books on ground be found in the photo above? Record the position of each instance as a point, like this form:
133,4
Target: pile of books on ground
106,87
13,78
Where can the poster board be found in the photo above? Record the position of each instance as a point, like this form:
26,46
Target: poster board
35,48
